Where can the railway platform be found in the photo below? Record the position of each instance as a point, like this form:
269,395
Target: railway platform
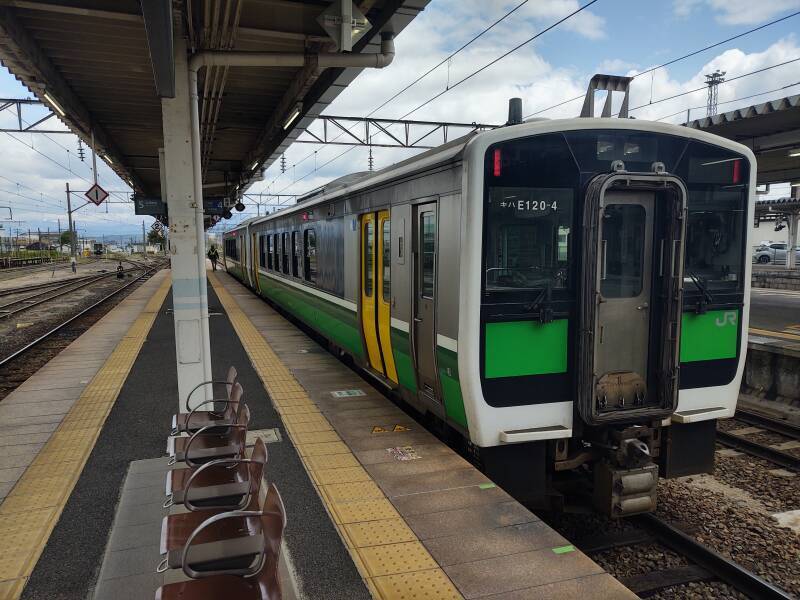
376,505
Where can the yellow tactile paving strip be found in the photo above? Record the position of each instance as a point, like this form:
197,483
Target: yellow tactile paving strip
29,513
392,561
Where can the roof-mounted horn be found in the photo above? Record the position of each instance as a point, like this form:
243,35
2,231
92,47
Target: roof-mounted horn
611,83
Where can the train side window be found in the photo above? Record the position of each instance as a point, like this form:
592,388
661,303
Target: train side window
285,253
428,253
369,254
386,262
295,253
277,248
270,251
310,255
262,252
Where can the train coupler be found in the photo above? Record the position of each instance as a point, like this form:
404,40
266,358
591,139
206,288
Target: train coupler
625,483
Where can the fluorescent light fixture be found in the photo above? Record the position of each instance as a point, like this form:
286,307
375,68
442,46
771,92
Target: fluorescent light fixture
794,153
108,159
292,116
796,184
255,164
55,104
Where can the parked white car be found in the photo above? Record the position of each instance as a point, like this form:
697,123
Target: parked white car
774,253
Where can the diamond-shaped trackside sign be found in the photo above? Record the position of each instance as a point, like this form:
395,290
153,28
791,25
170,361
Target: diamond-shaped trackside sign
96,194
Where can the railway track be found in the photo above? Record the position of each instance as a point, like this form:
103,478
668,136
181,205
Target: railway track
147,272
705,564
757,449
53,291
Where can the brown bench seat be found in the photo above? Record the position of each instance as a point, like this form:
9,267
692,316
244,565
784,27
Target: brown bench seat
222,411
209,443
245,568
223,484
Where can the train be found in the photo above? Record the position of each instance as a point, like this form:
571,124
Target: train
565,299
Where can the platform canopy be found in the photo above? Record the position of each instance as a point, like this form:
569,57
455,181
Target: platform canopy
770,129
102,66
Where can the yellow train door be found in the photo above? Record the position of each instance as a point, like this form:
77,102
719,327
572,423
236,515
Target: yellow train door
369,292
384,292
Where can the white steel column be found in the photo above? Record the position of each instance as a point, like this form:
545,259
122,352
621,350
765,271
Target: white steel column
186,238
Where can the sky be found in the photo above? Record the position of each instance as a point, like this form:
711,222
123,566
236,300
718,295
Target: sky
619,37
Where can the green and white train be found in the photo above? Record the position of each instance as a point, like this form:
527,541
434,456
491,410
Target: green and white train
570,297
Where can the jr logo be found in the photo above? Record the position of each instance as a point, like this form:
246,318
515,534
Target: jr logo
728,318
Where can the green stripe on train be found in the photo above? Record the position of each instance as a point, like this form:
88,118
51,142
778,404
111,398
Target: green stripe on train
451,387
401,350
517,348
337,323
710,336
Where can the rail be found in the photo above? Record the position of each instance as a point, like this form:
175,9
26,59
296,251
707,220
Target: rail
773,455
704,557
17,306
148,271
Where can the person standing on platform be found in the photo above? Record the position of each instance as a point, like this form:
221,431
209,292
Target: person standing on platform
213,256
74,264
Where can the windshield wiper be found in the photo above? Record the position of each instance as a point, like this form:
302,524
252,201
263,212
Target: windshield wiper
544,303
705,297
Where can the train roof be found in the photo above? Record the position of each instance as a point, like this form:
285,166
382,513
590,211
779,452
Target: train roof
453,150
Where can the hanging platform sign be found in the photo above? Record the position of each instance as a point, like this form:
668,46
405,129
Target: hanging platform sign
214,205
153,207
96,194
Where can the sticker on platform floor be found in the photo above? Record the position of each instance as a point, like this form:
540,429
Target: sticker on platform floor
379,429
487,486
403,453
268,436
564,549
400,428
348,393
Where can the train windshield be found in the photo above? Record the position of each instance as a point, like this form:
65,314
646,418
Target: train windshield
717,181
529,214
531,211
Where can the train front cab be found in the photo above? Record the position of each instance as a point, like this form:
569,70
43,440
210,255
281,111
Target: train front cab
590,344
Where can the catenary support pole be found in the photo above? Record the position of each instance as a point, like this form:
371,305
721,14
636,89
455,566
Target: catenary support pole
185,244
69,219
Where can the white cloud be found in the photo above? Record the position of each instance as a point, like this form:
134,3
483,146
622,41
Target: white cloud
738,12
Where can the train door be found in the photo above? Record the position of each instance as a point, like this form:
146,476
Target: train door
624,282
424,309
384,292
369,292
257,247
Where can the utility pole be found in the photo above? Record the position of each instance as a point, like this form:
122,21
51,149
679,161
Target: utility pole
71,230
94,160
712,81
144,239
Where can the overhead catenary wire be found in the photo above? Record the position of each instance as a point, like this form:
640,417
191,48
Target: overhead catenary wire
501,57
418,79
728,80
676,60
464,79
772,91
646,71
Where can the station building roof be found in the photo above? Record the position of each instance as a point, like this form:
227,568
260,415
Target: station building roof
770,129
93,59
